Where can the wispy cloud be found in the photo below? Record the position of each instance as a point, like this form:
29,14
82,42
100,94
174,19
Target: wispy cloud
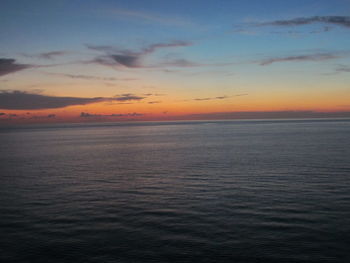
47,55
266,115
342,68
88,77
183,63
21,100
89,115
335,20
146,50
148,17
322,30
214,98
219,97
339,69
153,94
300,58
152,48
9,65
115,56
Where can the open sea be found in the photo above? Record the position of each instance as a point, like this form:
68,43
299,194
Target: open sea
194,191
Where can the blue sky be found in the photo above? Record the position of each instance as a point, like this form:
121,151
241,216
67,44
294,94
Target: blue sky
36,25
273,51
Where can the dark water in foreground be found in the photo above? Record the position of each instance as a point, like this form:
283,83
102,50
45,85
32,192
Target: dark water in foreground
233,191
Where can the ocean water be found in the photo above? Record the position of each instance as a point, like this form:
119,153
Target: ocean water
206,191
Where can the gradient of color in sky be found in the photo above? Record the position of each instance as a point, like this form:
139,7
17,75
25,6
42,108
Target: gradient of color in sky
155,60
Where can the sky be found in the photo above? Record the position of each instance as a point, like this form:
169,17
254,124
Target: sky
104,60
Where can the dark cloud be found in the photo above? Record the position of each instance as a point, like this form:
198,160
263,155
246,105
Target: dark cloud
85,114
49,116
336,20
88,115
127,97
115,56
9,65
154,102
309,57
20,100
2,113
129,61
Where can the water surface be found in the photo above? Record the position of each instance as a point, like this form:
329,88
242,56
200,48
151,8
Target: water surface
210,191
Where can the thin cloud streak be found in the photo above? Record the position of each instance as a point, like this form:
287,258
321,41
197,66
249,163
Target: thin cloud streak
322,30
219,97
343,69
52,54
266,115
89,115
183,63
47,55
88,77
335,20
339,69
150,17
300,58
147,50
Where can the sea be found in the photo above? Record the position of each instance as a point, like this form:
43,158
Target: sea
181,191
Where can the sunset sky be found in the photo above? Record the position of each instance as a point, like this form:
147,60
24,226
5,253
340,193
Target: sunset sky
94,60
